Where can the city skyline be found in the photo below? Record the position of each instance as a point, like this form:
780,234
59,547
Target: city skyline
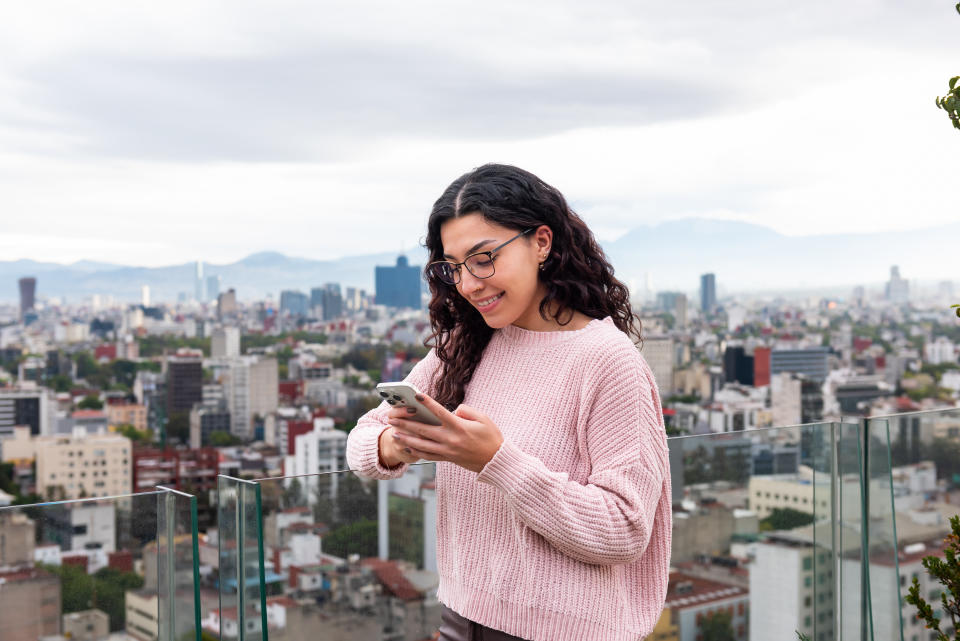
122,144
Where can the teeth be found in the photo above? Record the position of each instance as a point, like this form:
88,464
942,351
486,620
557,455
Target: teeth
484,303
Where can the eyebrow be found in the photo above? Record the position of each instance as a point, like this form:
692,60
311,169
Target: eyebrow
475,247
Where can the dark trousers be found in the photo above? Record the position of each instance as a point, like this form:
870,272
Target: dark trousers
454,627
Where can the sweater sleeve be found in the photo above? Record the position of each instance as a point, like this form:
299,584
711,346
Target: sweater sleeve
609,519
363,442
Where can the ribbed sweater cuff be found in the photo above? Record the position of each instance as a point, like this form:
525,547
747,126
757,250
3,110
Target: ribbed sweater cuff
369,450
507,467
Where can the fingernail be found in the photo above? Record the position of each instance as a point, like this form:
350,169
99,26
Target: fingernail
408,450
419,397
411,410
396,436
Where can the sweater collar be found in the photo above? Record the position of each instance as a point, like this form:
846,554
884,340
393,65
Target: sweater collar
526,337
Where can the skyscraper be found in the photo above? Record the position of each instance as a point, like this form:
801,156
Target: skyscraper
213,287
184,384
708,293
332,301
198,282
227,304
898,289
398,286
28,288
294,302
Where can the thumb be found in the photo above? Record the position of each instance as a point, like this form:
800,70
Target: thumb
469,413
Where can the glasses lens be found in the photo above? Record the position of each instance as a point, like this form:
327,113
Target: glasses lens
480,265
445,272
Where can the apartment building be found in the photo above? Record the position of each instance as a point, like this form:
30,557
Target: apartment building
81,466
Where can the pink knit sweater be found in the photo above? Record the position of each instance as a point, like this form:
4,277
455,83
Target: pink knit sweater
565,534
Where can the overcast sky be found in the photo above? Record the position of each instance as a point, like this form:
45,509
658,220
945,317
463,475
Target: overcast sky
157,133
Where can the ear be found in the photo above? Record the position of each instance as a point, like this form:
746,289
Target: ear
543,239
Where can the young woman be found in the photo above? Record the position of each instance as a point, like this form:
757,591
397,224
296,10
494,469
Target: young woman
553,480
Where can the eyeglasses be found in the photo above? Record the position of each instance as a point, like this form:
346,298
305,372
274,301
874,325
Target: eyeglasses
479,264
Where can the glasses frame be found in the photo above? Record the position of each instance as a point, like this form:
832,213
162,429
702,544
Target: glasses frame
490,256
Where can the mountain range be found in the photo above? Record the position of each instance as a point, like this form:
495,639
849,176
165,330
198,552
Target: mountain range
669,255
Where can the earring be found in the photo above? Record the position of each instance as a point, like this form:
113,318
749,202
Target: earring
541,267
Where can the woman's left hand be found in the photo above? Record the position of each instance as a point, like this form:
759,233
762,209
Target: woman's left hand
467,437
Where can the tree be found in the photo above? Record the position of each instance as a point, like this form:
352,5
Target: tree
178,427
60,382
718,627
90,402
354,500
135,435
220,438
353,538
785,518
947,573
292,494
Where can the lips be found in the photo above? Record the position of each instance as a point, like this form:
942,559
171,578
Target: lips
486,303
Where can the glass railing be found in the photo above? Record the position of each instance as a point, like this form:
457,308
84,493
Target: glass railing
122,567
770,531
816,530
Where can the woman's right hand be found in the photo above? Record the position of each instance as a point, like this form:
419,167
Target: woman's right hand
391,453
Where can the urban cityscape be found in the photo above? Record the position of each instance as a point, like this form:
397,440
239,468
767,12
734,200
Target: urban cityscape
101,403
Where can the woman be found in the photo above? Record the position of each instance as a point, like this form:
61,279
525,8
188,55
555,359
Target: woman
553,481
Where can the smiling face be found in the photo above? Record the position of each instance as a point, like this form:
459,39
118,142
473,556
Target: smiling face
512,295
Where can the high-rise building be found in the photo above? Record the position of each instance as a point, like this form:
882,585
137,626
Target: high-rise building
227,304
898,289
213,287
398,286
198,293
28,289
737,365
811,362
184,384
708,293
225,342
251,386
761,368
145,295
332,301
294,303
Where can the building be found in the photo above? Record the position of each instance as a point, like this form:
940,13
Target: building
321,450
811,362
251,387
658,351
398,286
127,414
71,467
294,303
693,600
940,350
28,290
86,625
708,293
785,399
225,342
17,537
30,602
193,470
897,289
142,608
737,365
184,384
31,406
204,421
213,287
761,367
198,293
227,304
791,588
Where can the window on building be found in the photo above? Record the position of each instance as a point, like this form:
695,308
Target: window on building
807,563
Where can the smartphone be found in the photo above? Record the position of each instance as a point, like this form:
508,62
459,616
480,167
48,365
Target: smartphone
404,395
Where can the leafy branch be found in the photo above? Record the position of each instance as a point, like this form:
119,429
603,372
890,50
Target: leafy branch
947,572
951,103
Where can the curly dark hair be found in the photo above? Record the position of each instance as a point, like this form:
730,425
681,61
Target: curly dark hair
577,274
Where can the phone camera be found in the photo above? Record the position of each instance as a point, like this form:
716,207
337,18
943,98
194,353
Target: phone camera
384,394
397,398
391,401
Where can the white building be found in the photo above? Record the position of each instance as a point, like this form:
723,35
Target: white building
659,353
322,451
225,342
785,399
416,484
940,350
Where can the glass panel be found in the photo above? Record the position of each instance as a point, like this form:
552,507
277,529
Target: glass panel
349,557
242,614
753,522
178,566
81,569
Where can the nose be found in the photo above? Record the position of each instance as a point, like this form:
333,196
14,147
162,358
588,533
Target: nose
469,283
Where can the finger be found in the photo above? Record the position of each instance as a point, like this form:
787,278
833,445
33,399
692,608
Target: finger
427,456
419,444
416,428
438,410
469,413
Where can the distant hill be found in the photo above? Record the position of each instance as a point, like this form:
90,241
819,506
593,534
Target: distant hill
743,256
